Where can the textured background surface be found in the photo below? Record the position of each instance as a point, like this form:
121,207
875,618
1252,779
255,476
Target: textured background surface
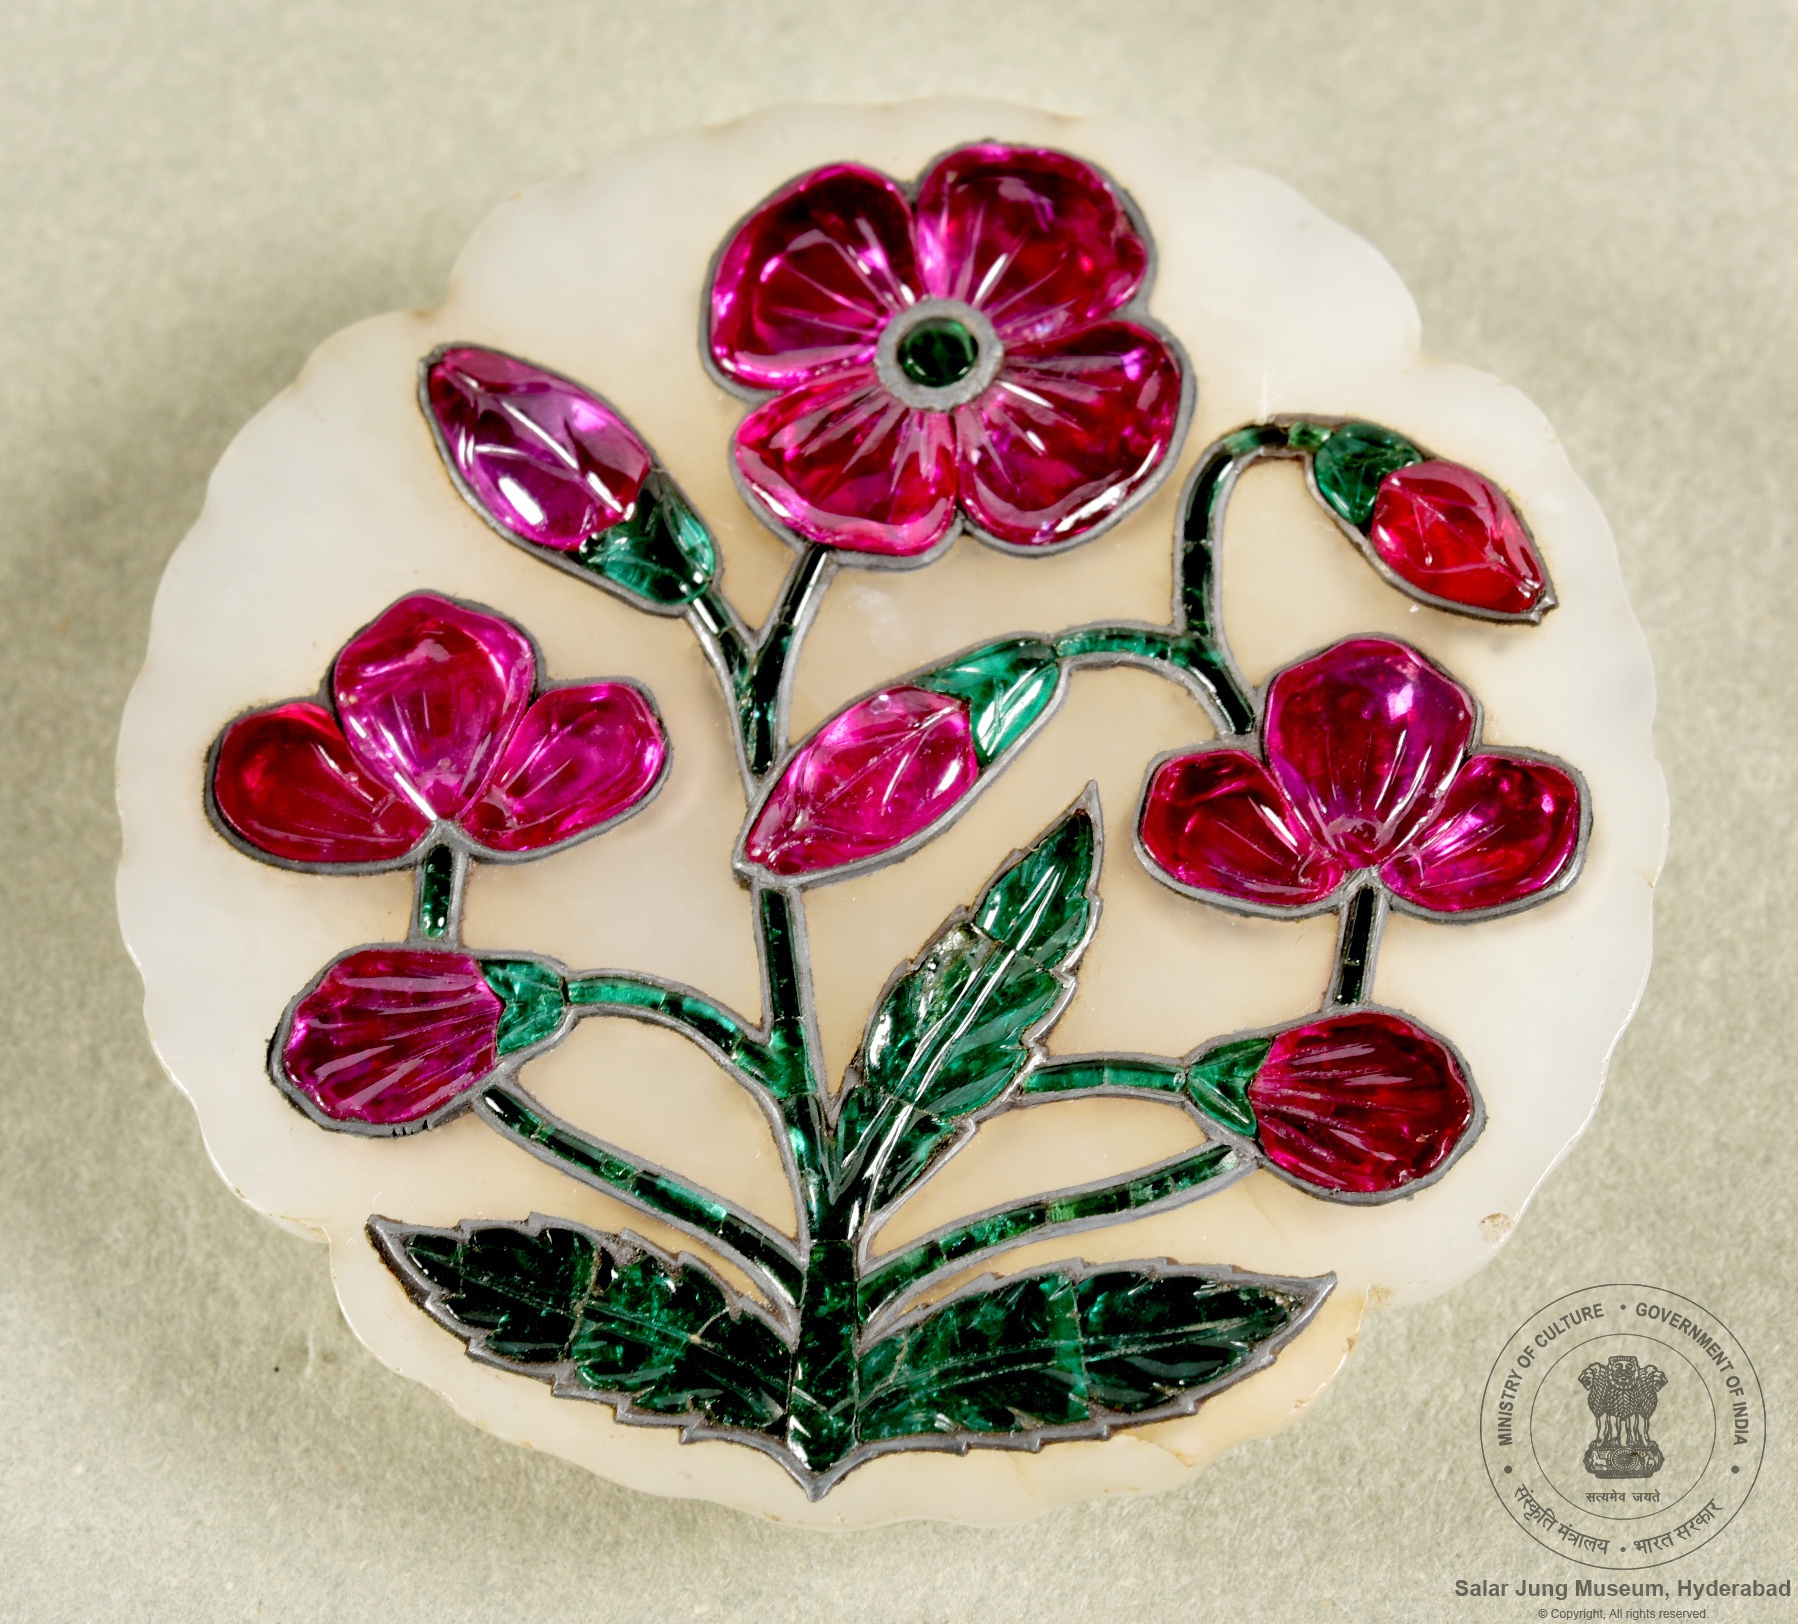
1600,204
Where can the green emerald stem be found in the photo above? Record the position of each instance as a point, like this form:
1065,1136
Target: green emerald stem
754,668
643,1185
1196,573
964,1242
1176,655
798,1078
821,1390
1112,1076
434,893
643,997
1358,943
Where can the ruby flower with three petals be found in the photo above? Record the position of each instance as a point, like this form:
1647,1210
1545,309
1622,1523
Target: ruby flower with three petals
434,728
975,345
1368,766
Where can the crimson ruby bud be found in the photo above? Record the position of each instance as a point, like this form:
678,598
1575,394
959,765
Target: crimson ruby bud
1363,1105
390,1039
1447,533
893,768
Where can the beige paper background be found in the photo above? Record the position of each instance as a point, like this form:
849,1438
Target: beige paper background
1598,203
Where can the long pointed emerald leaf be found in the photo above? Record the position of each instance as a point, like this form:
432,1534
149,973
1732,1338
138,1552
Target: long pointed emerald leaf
958,1025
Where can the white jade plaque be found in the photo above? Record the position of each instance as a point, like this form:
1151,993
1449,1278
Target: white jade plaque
1336,946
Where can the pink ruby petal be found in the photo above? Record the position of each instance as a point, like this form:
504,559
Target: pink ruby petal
1215,820
1453,534
842,463
882,771
581,757
1508,828
391,1034
807,282
287,782
1068,434
548,461
428,696
1364,1102
1039,241
1364,739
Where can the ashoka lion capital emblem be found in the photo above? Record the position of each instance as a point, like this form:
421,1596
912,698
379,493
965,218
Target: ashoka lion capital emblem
1621,1395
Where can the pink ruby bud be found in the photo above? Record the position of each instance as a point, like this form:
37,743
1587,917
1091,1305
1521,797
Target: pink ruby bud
1364,1104
894,766
390,1039
549,464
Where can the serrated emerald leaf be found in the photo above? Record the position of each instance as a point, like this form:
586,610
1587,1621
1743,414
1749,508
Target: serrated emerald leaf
1219,1079
621,1321
1351,463
1006,687
661,555
518,1292
1068,1350
535,1000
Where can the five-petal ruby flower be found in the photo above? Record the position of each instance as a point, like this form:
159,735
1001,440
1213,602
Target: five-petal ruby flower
973,346
1368,765
434,726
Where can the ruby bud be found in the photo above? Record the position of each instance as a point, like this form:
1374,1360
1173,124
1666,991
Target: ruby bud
389,1039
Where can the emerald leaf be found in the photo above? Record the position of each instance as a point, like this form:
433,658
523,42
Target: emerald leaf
661,556
535,999
663,1340
956,1027
1006,686
1350,465
1069,1351
1219,1079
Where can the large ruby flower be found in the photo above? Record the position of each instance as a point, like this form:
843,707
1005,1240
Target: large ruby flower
1368,765
433,726
389,1039
975,344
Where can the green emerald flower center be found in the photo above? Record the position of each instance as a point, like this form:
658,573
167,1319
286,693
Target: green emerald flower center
938,353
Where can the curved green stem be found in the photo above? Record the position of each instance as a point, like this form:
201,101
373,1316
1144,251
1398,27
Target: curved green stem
1169,1183
748,1241
727,1036
1198,584
783,1064
1186,658
754,668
